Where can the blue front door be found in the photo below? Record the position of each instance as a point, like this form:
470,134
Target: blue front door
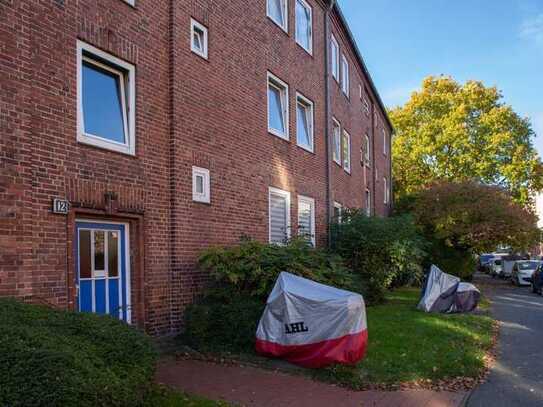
102,272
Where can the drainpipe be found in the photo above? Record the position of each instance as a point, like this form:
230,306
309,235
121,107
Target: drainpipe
373,199
328,110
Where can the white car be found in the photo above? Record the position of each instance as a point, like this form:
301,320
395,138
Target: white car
523,271
495,267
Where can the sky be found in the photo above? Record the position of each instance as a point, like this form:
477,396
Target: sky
499,42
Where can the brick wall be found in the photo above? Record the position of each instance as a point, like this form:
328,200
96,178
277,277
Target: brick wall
189,111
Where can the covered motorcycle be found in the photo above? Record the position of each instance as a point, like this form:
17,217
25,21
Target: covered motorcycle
312,324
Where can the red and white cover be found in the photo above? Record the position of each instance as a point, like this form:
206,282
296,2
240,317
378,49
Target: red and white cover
312,324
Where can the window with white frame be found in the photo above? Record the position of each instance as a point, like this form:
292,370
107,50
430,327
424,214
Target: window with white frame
277,107
367,150
337,141
345,80
106,100
201,186
198,38
360,91
346,151
304,122
386,192
306,218
366,105
368,202
334,57
338,211
279,213
277,11
304,25
385,149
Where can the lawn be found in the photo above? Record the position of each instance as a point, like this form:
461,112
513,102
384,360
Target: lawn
408,345
164,397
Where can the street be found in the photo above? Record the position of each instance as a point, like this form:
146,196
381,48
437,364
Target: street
516,378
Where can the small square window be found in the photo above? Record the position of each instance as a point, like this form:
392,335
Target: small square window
304,122
334,56
345,80
304,25
337,142
201,187
306,218
277,12
198,38
106,100
277,107
347,152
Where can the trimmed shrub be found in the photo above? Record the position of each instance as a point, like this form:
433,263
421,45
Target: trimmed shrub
251,268
58,358
383,252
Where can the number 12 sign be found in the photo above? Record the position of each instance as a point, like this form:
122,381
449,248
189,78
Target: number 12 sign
61,206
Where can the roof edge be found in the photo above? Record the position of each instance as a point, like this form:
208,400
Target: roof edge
358,54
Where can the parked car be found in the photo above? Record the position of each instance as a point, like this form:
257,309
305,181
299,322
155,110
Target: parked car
537,280
523,271
495,267
482,262
508,262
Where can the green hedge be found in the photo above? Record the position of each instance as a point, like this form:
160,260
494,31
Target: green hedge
57,358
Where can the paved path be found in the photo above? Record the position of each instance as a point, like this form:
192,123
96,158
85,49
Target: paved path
248,386
517,376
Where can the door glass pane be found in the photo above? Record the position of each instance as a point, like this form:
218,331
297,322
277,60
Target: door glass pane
275,113
102,106
113,253
99,250
84,254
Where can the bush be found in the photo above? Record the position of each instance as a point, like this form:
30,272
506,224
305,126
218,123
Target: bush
251,268
460,263
57,358
383,252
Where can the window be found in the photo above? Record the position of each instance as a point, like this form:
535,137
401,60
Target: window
200,185
367,150
306,218
386,196
279,209
338,209
345,78
198,35
360,91
334,56
277,107
337,142
384,142
304,25
368,202
106,100
346,151
304,122
366,106
131,2
277,11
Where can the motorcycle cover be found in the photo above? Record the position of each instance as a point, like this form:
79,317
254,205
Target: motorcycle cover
466,298
312,324
439,292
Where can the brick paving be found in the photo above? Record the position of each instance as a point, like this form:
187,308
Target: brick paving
249,386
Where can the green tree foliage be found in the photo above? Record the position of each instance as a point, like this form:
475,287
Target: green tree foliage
382,252
449,131
466,218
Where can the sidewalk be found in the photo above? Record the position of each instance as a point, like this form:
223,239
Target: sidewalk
248,386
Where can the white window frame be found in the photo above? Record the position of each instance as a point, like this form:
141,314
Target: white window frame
306,5
131,2
367,148
385,190
335,61
339,206
286,195
366,203
284,3
345,75
277,83
338,124
366,106
347,164
205,196
128,107
311,202
301,99
385,150
204,52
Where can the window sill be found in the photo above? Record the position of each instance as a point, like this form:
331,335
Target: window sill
274,133
105,145
306,149
202,55
284,29
308,51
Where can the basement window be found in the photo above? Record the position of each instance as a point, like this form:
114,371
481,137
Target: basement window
201,190
105,99
198,35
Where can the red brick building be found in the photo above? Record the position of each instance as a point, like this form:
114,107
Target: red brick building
169,126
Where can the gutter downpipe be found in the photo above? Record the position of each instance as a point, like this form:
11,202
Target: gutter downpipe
327,102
